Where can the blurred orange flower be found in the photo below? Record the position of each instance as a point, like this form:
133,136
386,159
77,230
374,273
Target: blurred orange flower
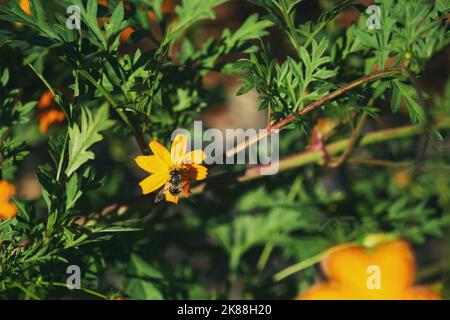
25,5
168,7
48,114
7,209
402,179
162,165
385,272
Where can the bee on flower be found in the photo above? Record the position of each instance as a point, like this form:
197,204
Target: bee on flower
7,209
171,171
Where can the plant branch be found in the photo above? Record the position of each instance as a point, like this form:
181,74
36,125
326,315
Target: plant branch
139,138
279,125
398,165
64,285
308,262
353,139
315,156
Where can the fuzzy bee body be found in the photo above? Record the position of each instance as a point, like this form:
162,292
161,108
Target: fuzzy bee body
174,185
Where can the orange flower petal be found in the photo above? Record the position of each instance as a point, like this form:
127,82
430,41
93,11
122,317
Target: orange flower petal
160,151
46,100
194,157
48,118
153,182
349,269
7,190
322,291
25,5
348,266
421,293
151,164
195,171
7,210
178,148
397,265
103,2
186,187
126,34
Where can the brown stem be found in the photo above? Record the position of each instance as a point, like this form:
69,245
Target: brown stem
286,163
279,125
353,139
315,156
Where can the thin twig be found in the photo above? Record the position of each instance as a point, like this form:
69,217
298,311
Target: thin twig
279,125
137,135
315,156
424,139
398,165
353,139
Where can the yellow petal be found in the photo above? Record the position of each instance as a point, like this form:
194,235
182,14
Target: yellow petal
154,182
7,210
171,198
196,172
6,190
178,149
152,164
160,151
196,156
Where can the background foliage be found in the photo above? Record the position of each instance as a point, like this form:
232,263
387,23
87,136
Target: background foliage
230,240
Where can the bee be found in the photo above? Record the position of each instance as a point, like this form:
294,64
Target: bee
173,185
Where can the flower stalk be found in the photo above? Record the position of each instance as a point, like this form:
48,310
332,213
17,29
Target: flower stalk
315,156
283,123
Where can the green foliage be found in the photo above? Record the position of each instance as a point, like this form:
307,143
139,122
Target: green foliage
284,89
117,96
84,136
141,285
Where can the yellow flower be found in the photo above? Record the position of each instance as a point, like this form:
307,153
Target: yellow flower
7,209
347,269
162,163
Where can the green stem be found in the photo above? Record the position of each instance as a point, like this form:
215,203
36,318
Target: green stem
64,285
358,82
308,262
268,247
61,159
315,32
398,165
265,255
279,125
139,138
26,291
353,139
307,157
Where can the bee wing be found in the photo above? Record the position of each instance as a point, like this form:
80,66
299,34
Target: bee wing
161,193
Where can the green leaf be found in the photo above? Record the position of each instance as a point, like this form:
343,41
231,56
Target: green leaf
141,284
116,22
84,136
408,95
190,12
252,28
396,98
89,16
73,193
